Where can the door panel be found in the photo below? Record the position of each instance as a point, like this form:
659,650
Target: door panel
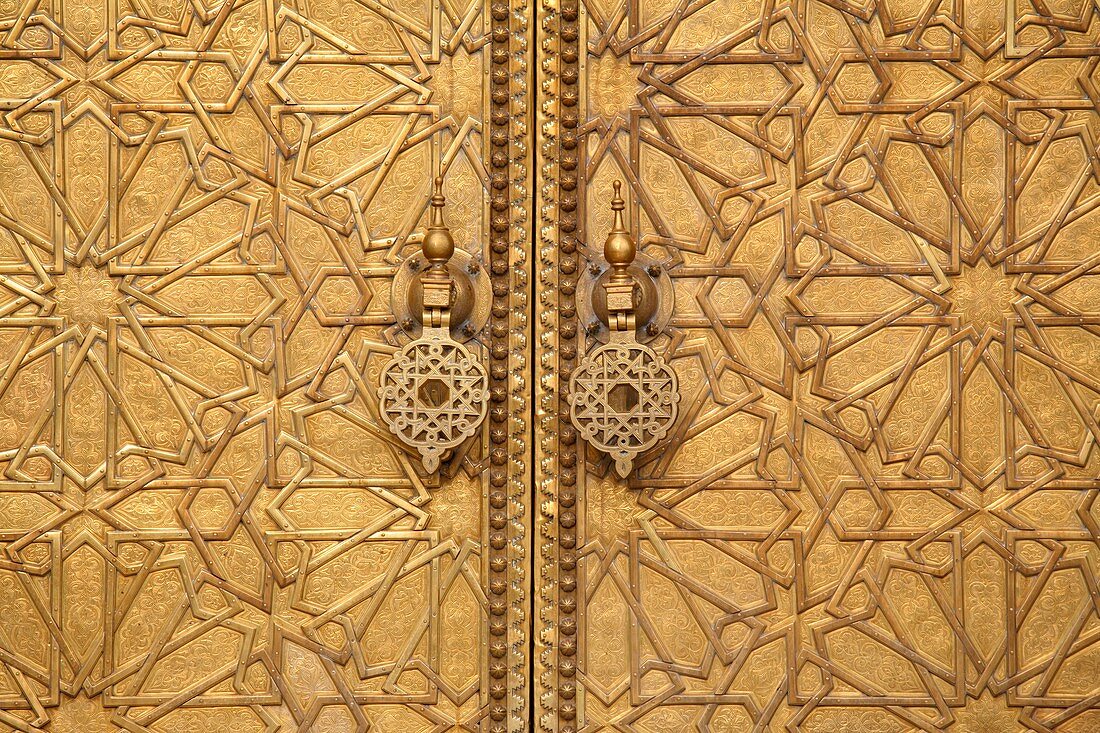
205,524
876,509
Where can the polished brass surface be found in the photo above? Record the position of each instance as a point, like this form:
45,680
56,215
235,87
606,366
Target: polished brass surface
205,524
877,510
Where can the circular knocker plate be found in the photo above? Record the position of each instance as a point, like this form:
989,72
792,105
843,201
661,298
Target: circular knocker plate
472,297
433,396
655,300
623,400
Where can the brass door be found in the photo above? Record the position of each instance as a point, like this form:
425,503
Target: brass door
876,509
206,526
761,391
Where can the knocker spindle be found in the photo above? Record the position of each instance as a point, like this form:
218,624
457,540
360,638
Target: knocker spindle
434,391
623,396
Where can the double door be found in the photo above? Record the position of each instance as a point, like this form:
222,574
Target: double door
501,365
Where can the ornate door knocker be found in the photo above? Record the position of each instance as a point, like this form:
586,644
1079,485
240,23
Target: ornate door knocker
434,392
623,396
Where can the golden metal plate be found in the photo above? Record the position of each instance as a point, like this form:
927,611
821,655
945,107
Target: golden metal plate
204,524
877,511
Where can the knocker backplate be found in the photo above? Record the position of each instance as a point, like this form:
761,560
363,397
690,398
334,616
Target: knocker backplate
469,307
433,396
655,299
623,400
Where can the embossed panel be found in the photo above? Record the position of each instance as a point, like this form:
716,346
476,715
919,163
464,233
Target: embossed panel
204,524
877,508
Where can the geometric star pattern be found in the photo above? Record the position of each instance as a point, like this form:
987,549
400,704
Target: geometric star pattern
433,396
204,523
878,508
623,400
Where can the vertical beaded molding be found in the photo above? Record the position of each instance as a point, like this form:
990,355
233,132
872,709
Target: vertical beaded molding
569,165
509,392
546,386
521,493
558,208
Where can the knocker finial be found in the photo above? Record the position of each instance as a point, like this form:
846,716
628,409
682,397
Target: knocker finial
619,251
618,248
439,245
438,248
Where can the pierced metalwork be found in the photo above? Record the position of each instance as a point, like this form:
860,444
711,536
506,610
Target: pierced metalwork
434,391
623,396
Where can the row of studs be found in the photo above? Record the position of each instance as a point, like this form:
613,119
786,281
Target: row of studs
499,352
568,163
